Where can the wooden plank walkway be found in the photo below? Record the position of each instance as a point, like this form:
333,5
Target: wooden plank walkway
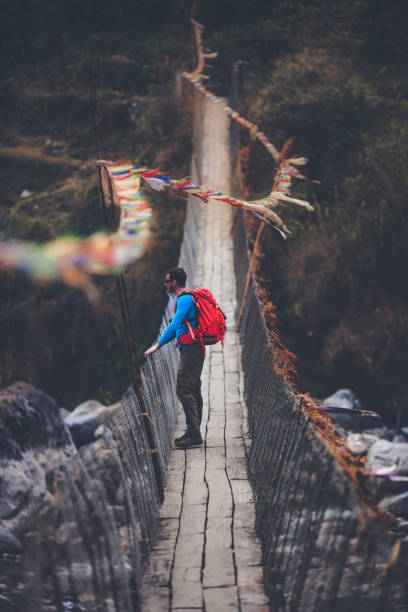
207,556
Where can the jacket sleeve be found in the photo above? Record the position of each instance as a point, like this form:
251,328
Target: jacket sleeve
183,306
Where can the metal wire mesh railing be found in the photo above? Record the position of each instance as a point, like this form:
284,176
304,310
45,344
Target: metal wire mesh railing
321,548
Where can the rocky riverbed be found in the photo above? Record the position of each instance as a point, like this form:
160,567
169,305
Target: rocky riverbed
66,522
385,448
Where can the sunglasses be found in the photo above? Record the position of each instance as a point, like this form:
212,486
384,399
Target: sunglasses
167,281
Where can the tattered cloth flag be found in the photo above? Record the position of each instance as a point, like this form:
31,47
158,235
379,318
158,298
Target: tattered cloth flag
351,411
123,178
195,79
281,192
72,260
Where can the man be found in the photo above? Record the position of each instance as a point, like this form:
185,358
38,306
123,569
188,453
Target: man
188,387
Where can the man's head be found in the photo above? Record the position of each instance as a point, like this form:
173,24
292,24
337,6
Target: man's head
175,279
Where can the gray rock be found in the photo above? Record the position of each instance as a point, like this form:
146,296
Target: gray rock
99,431
359,443
34,445
345,398
26,193
397,504
83,433
64,413
381,432
400,438
386,454
29,419
8,543
86,419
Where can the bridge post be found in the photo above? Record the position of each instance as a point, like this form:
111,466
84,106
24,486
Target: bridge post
129,334
259,234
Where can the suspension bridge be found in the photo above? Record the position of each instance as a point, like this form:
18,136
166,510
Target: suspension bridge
207,555
264,516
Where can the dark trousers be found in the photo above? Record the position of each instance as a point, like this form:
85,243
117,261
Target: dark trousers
188,387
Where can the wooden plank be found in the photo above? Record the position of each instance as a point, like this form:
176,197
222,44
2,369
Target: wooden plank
219,502
231,388
250,576
216,359
186,588
219,569
230,339
234,411
236,468
158,569
195,493
235,447
242,492
231,395
195,465
193,519
246,553
253,599
220,599
233,428
232,379
231,364
171,506
177,462
230,351
216,420
247,442
244,516
218,534
217,373
166,534
216,348
189,550
174,482
215,458
155,598
215,437
217,481
217,401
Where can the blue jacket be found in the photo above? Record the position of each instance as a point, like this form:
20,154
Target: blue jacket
185,309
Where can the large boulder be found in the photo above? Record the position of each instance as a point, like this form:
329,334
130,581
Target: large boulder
352,421
343,398
84,423
8,543
397,504
34,446
384,454
359,443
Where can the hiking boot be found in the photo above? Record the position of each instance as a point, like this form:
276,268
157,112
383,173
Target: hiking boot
189,442
180,438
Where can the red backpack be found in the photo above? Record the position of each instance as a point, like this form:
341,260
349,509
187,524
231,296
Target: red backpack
211,320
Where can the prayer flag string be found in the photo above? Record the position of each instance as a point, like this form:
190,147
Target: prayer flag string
286,168
124,175
196,78
72,260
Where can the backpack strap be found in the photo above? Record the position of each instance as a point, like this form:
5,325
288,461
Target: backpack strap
187,321
190,329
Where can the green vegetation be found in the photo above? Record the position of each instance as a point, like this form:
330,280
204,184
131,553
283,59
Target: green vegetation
50,335
332,75
338,85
